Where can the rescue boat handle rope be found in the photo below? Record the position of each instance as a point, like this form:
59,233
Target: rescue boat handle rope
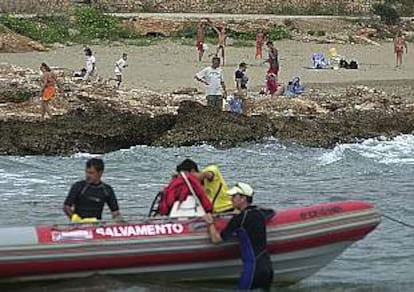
190,187
398,221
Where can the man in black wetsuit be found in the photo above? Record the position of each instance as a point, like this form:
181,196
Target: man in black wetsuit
250,228
87,198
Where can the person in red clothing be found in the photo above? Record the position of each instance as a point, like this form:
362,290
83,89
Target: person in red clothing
178,189
273,59
260,40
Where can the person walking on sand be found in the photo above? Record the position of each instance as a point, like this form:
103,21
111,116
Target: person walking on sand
120,65
222,40
213,78
48,90
260,39
273,59
91,72
399,45
201,36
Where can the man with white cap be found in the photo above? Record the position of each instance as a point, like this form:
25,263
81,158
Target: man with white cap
249,226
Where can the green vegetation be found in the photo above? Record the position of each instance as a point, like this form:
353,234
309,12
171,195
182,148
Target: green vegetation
243,43
278,32
390,11
387,11
93,24
82,25
89,26
187,36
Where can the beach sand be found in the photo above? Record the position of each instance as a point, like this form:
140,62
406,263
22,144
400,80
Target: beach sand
167,65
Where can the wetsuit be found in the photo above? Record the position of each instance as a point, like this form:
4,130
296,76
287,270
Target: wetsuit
250,228
89,199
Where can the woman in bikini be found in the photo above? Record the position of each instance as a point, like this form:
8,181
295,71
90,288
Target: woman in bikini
48,91
399,45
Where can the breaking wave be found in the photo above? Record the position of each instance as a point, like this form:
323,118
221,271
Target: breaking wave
399,150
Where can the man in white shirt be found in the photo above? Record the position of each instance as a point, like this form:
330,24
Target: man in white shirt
120,65
91,73
213,78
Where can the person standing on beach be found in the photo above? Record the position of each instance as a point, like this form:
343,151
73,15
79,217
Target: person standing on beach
399,45
213,78
201,36
222,40
120,65
91,72
48,91
273,59
241,85
260,39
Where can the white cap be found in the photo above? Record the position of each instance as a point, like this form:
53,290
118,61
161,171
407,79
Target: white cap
241,189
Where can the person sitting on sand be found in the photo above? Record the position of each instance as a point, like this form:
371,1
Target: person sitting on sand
120,65
222,40
272,85
399,45
48,91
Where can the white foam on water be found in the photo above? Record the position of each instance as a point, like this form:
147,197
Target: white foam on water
399,150
85,155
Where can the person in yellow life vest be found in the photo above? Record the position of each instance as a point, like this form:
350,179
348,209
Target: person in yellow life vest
216,189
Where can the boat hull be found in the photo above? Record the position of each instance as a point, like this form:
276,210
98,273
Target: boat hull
300,242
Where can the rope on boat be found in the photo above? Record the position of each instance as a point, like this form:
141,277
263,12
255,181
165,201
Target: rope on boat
398,221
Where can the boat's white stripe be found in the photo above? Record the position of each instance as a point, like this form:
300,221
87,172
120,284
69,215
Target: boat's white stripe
279,230
142,250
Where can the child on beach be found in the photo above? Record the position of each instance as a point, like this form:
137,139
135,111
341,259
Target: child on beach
91,72
120,65
399,45
260,40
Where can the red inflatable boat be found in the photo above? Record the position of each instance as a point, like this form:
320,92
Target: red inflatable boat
301,241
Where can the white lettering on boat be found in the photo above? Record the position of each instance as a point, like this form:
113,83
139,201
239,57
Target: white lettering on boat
140,230
72,235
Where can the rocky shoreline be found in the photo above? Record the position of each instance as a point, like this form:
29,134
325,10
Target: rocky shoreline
99,119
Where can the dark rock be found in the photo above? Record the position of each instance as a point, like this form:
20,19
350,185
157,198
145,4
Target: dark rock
197,124
16,96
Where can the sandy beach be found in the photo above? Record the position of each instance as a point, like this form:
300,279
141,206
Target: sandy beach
168,65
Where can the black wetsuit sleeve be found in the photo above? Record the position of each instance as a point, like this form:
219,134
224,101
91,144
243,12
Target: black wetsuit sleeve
74,192
268,213
111,199
231,228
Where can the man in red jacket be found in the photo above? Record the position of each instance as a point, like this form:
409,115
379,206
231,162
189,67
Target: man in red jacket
178,189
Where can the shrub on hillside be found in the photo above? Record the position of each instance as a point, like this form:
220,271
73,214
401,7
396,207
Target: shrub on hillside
94,24
387,11
278,32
